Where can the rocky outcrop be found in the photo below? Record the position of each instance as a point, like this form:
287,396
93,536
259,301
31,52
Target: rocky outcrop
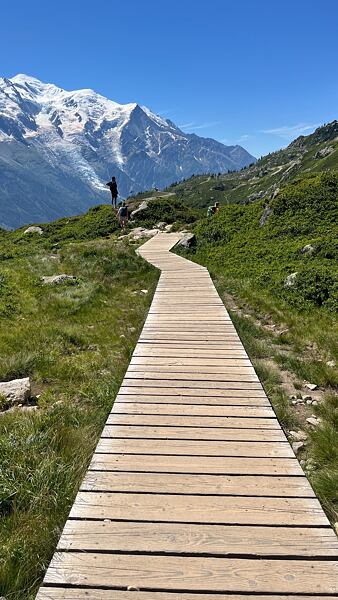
143,206
59,279
308,249
323,152
34,229
187,240
266,213
141,232
16,391
291,280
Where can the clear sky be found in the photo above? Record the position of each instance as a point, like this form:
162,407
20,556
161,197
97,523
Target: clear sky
254,72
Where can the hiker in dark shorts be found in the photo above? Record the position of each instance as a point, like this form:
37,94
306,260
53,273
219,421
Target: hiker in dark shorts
122,215
113,190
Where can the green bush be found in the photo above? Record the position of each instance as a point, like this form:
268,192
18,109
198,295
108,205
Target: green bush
315,285
169,210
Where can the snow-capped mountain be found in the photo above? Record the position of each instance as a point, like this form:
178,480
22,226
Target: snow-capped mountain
58,149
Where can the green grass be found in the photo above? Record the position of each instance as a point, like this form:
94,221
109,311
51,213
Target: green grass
168,209
251,262
75,343
324,451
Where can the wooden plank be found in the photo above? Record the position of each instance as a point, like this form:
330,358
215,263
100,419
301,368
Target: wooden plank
137,431
183,483
200,574
189,337
180,538
173,314
149,351
190,509
148,408
52,593
189,421
164,375
181,362
196,448
197,400
172,391
192,384
220,465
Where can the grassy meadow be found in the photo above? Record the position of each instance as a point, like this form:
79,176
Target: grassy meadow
74,341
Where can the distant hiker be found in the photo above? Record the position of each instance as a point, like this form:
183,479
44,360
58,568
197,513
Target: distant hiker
212,210
113,190
122,215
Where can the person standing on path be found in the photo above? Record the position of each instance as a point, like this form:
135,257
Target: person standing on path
113,190
122,215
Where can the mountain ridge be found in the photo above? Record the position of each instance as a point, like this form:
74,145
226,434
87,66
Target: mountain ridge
58,147
305,155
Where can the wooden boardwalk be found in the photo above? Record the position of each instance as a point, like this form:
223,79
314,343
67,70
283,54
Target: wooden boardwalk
193,492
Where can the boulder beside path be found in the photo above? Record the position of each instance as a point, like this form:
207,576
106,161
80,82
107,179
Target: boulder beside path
16,391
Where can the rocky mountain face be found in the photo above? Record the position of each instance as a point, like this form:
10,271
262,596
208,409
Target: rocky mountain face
58,148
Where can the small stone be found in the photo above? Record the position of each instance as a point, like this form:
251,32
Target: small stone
187,240
306,398
29,408
58,279
144,292
311,386
291,279
308,249
314,421
298,436
17,391
314,402
309,402
294,402
331,363
296,446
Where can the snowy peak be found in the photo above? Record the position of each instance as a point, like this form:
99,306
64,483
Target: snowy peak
62,146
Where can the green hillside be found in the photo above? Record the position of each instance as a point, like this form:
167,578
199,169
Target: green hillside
307,154
279,279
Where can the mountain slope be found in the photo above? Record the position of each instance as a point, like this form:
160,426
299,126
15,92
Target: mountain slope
58,148
305,155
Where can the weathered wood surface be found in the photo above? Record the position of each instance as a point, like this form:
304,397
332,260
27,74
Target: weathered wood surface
193,492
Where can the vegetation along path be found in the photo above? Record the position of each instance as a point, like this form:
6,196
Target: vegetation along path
193,490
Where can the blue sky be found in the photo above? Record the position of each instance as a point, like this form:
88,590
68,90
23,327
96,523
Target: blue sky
258,73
